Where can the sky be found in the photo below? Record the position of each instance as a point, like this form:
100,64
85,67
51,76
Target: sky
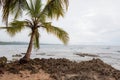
87,22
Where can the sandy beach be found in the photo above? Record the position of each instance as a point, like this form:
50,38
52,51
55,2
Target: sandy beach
58,69
25,75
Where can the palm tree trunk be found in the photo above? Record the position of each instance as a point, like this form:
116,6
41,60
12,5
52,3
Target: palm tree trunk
28,53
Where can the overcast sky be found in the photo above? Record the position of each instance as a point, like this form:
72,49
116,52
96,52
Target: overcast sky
86,21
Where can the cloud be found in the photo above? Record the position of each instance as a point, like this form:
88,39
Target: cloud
92,21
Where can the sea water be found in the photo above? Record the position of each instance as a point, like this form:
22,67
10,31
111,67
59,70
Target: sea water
109,54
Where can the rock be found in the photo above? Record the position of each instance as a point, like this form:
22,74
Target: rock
1,71
64,69
34,70
40,54
3,61
23,61
17,55
118,51
86,54
23,53
13,70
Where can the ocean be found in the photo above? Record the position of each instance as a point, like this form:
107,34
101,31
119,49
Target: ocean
109,54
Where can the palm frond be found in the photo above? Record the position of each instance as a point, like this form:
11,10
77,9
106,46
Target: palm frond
66,3
6,11
55,8
15,27
38,6
34,8
3,27
36,39
13,7
60,33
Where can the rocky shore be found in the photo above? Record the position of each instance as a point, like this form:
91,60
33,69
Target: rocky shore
57,69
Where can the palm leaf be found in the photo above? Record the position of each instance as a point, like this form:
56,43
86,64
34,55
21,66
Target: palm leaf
34,8
36,39
60,33
13,7
38,6
55,8
15,27
66,3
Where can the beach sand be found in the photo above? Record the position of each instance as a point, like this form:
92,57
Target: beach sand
25,75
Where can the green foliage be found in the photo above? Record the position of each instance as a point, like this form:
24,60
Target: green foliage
15,27
34,8
60,33
36,39
55,8
12,7
38,14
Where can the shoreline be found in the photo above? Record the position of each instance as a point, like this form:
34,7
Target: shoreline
58,69
108,54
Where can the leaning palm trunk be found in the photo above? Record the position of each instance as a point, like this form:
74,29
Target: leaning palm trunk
28,53
26,58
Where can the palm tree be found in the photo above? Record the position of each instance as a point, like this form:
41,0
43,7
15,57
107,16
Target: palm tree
38,15
16,7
